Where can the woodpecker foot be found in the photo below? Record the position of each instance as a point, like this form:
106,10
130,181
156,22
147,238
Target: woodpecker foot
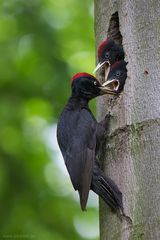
123,216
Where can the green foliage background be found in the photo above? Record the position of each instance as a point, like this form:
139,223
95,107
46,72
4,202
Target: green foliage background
42,44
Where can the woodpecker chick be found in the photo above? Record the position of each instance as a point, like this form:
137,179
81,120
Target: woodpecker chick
108,53
79,135
117,76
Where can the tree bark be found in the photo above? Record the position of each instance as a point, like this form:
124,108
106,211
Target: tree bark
131,153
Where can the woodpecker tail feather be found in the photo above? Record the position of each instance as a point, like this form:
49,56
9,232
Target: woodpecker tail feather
107,190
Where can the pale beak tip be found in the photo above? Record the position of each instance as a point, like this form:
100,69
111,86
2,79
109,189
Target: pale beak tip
99,65
112,84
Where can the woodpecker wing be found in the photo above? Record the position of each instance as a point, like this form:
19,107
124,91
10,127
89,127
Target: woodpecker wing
80,166
78,143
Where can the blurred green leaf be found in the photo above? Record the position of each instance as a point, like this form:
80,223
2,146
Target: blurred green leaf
42,44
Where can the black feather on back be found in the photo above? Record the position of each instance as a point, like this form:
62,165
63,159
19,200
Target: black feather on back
77,141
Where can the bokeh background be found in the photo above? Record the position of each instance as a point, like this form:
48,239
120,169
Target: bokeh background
42,44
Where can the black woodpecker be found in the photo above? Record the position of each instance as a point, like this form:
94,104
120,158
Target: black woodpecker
117,76
78,135
108,53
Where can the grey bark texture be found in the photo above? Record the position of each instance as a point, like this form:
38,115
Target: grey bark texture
131,153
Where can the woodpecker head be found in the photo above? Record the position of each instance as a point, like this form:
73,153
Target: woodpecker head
108,53
87,86
117,76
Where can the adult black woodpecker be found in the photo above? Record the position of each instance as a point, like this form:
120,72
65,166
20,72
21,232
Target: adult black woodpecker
108,53
78,135
117,76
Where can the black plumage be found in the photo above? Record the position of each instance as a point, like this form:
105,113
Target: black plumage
117,76
78,135
109,51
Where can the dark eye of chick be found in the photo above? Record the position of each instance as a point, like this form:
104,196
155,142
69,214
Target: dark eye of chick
118,73
106,54
95,83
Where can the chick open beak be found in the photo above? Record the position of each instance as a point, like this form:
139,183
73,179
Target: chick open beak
112,85
106,70
99,65
109,86
105,90
106,65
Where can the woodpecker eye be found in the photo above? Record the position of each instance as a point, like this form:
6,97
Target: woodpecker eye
118,73
106,55
95,83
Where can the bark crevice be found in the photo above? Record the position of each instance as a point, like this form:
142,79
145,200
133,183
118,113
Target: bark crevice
130,128
113,30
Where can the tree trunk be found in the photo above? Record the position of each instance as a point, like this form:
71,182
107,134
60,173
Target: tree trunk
131,154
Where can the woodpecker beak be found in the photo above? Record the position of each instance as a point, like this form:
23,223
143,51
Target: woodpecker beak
99,65
107,90
112,85
106,70
106,65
